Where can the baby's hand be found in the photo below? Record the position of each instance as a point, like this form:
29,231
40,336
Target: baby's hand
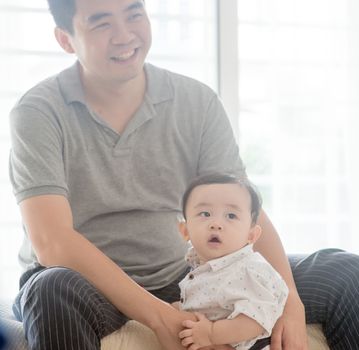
197,334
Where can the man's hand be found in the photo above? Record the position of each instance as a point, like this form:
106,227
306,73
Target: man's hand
168,326
197,334
289,333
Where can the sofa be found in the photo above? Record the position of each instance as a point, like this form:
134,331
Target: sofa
133,336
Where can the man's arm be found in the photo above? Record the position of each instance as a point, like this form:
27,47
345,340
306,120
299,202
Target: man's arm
270,246
48,220
289,331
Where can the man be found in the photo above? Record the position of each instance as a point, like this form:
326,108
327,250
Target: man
100,156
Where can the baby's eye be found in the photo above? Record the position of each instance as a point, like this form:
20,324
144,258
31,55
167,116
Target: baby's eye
231,216
205,214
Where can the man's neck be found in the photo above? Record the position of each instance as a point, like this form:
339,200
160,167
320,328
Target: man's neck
115,102
104,93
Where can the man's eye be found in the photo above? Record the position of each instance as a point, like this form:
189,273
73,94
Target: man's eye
231,216
102,25
135,16
205,214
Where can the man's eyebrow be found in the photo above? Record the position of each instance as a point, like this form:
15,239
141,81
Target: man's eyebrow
100,15
135,6
97,17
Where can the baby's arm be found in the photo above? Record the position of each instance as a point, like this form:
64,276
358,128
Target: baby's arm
203,332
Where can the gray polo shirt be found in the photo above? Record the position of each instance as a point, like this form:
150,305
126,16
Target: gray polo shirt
124,189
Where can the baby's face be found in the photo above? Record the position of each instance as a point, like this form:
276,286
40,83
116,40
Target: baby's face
219,219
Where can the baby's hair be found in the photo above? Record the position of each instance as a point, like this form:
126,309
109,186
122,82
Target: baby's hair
220,178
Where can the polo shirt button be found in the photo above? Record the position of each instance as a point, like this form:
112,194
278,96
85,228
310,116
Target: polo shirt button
190,276
181,300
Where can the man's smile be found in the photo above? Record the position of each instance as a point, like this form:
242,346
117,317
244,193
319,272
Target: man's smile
124,56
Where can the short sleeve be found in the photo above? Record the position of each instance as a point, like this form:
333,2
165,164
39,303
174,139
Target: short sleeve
36,158
260,294
219,150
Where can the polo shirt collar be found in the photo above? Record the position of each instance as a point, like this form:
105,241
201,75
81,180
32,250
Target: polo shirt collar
159,87
71,85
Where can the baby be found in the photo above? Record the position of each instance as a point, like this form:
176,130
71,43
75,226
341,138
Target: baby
236,294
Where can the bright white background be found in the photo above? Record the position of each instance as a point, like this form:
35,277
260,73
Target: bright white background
287,71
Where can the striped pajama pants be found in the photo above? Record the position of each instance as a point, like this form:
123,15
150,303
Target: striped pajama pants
60,310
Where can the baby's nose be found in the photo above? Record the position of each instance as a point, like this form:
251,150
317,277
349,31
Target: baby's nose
215,226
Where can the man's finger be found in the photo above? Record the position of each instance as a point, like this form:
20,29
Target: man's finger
276,340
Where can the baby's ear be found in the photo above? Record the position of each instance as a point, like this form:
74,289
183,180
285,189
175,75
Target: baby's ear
254,233
182,228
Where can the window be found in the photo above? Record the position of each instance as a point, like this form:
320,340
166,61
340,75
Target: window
288,73
184,40
298,85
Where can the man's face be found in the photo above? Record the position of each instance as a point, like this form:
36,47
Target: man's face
111,39
218,219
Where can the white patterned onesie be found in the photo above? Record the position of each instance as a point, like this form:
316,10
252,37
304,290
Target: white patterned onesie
242,282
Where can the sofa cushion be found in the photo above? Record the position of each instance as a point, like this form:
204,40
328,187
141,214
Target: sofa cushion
133,336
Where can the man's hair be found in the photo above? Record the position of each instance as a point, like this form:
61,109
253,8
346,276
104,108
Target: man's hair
63,12
219,178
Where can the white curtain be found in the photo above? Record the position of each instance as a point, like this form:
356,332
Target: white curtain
184,40
352,146
299,103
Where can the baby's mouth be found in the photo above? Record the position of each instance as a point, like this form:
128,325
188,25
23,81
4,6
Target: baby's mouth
214,239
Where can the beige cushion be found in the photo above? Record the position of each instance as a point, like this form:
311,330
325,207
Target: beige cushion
316,337
132,336
135,336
